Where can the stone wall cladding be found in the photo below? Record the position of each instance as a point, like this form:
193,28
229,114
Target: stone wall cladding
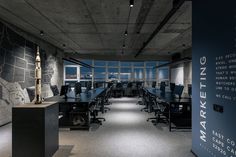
17,57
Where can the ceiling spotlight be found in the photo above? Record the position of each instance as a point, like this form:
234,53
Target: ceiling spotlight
126,33
41,33
131,3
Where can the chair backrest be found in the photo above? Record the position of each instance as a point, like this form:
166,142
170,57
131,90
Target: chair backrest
78,88
129,85
178,90
119,85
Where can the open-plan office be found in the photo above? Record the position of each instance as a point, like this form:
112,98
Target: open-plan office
117,78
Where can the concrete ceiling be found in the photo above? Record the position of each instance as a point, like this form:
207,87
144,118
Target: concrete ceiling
97,26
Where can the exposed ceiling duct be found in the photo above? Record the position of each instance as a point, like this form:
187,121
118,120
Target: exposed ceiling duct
76,61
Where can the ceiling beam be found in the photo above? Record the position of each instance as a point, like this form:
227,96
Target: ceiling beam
176,5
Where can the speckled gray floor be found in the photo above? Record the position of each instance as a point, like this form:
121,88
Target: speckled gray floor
124,134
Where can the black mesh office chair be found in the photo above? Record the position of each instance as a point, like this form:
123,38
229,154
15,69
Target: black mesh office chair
105,99
159,109
94,112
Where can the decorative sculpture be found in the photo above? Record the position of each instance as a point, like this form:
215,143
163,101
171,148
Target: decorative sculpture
38,77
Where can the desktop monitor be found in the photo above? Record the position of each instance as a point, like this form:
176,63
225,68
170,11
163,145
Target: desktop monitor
88,86
78,89
178,90
172,87
64,90
154,84
190,90
163,87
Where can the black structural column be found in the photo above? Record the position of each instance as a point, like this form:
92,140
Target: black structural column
35,130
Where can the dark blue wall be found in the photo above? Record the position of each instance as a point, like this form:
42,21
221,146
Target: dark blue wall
214,33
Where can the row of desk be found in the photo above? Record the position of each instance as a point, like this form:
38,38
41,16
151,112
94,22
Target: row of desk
178,109
75,112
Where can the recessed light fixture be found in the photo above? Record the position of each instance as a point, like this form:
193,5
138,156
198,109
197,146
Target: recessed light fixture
41,33
126,33
131,3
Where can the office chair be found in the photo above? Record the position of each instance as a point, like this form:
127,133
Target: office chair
105,100
146,101
94,112
159,108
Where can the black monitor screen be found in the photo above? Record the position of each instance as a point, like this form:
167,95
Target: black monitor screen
172,87
64,90
89,86
163,86
78,88
154,84
189,89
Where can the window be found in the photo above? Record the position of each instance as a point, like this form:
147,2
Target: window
150,74
125,74
86,73
138,64
163,74
151,64
99,63
89,62
113,63
99,73
138,74
71,72
125,64
112,73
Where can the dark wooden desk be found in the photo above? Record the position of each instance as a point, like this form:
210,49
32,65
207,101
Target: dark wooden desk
76,111
179,110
